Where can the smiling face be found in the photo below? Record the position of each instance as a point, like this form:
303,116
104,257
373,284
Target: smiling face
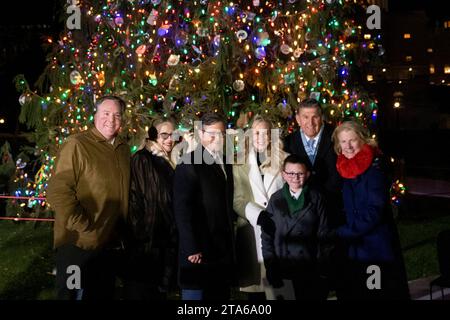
108,119
350,143
261,136
165,139
296,175
212,136
310,121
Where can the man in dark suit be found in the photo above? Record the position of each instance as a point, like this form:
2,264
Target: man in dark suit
203,209
313,144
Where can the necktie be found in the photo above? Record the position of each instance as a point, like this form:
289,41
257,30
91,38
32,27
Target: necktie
310,144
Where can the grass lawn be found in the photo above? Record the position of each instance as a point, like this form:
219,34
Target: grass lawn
26,256
26,260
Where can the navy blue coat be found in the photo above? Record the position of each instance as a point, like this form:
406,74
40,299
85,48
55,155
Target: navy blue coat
293,243
372,238
370,230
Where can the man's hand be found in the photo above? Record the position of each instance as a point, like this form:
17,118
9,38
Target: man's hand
195,258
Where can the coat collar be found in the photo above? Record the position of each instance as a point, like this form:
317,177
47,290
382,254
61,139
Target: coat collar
100,138
156,150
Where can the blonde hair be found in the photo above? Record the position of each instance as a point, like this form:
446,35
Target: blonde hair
361,132
260,119
257,119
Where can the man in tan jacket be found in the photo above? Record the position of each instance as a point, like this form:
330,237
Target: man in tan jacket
89,193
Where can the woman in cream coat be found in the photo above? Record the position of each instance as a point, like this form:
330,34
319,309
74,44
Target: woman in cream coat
254,182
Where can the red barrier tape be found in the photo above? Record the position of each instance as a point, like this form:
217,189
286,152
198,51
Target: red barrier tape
27,219
22,198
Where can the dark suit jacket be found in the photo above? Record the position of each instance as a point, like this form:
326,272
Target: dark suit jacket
203,209
324,175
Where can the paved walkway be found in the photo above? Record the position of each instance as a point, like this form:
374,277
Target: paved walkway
428,187
419,290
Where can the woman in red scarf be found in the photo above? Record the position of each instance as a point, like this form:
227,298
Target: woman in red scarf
374,267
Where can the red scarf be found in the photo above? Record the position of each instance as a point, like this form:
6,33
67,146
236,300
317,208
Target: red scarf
351,168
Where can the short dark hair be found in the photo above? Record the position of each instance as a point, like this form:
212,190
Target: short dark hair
117,99
294,159
310,103
210,118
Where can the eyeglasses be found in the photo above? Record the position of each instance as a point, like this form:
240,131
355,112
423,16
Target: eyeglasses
295,174
215,133
165,135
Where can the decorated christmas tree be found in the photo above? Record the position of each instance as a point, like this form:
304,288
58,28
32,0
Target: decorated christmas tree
183,58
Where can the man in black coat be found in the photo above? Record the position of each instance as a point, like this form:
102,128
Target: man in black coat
313,144
203,209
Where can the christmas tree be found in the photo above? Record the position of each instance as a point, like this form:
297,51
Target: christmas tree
183,58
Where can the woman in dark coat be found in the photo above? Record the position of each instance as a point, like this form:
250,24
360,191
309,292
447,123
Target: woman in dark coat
152,237
370,231
293,226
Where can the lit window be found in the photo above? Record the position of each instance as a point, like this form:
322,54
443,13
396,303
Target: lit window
407,36
367,36
430,50
369,77
447,24
447,69
432,71
408,58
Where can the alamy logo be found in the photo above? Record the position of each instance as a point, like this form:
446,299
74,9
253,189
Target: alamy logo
374,21
74,280
74,20
374,280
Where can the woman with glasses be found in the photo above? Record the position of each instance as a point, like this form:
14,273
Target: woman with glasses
152,237
254,182
292,236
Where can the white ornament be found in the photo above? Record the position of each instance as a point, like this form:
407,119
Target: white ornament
173,60
153,16
298,52
23,99
285,49
242,34
238,85
75,77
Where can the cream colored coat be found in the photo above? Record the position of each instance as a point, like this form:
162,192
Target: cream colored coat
251,196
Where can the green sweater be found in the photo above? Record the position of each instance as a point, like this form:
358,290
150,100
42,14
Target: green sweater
295,206
88,189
